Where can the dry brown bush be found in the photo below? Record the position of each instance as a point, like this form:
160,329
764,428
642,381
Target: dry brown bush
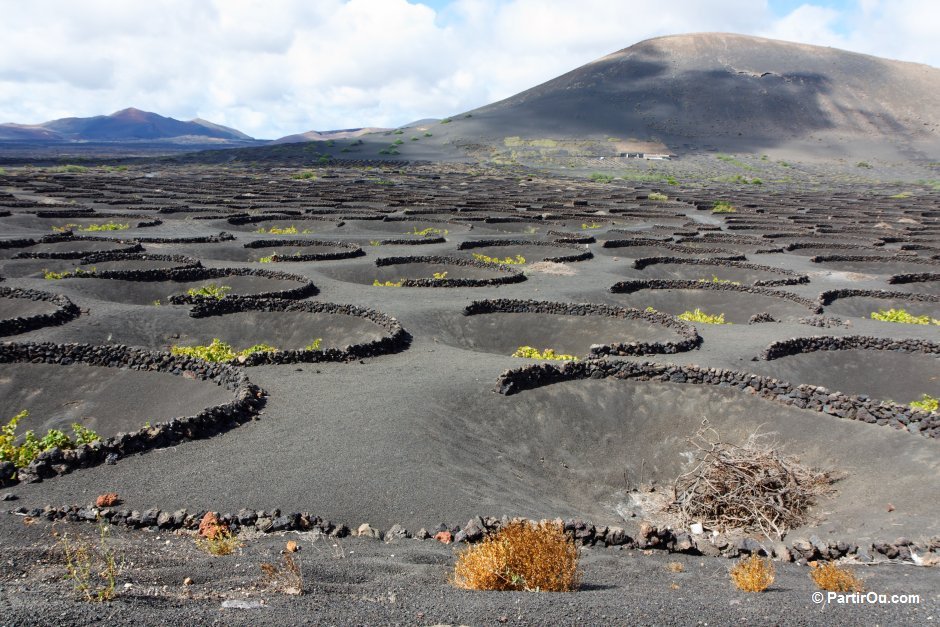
835,579
753,574
752,487
521,556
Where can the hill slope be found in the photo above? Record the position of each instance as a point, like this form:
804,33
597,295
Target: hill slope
727,92
125,125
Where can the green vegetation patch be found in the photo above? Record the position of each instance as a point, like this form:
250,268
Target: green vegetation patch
518,260
549,354
31,445
212,290
902,316
700,316
219,351
926,403
723,206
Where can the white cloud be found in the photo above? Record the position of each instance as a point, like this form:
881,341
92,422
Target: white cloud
276,67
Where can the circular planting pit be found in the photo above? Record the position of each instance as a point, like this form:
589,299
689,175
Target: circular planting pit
420,271
918,282
579,329
530,250
135,266
411,228
172,287
888,370
874,264
738,304
286,250
24,310
135,400
716,270
863,303
511,226
82,223
300,331
64,247
281,226
600,437
644,248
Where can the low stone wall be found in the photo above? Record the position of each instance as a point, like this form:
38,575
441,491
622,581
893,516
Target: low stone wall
197,239
565,237
808,397
688,333
179,262
582,532
510,275
792,278
396,341
922,277
798,345
65,311
582,253
127,246
730,255
247,398
416,241
912,259
629,287
829,296
344,250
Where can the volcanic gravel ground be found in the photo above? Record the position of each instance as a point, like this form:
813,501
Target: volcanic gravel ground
421,437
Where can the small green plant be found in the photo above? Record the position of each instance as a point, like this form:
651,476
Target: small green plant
374,242
671,180
600,177
440,275
3,172
286,230
593,225
107,226
715,279
398,142
863,164
157,303
901,195
429,134
399,131
305,175
377,283
212,290
20,455
723,206
219,351
446,121
658,197
224,542
927,403
529,352
518,260
429,232
71,169
901,316
314,345
700,316
93,568
51,275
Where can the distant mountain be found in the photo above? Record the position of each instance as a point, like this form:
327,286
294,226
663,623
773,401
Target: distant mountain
722,92
313,136
127,125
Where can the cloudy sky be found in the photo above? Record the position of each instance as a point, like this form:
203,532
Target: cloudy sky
275,67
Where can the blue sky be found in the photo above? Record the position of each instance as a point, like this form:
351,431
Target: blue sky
276,67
